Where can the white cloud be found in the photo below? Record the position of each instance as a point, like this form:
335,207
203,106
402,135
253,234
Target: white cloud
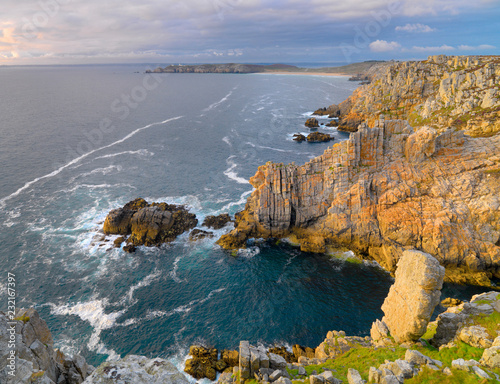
384,46
476,48
416,28
442,48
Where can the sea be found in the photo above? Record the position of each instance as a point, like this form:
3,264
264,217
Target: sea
78,141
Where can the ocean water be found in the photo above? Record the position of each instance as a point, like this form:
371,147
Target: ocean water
76,142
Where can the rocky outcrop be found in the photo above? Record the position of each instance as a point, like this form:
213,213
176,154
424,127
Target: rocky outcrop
337,343
299,137
458,91
199,234
149,224
205,362
319,137
34,354
217,222
413,296
312,122
386,189
137,370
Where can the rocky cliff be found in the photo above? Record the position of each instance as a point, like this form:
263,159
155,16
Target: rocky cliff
386,189
458,91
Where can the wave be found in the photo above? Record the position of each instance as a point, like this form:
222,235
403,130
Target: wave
143,283
217,103
76,160
233,175
140,152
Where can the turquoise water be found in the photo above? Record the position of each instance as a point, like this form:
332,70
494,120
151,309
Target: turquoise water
76,142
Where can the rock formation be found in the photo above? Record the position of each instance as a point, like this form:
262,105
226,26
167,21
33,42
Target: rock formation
35,357
312,122
458,91
205,362
413,296
386,189
137,370
149,224
319,137
216,222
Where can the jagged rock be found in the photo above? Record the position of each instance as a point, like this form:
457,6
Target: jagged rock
217,222
244,363
389,379
401,368
475,336
316,379
299,137
451,302
329,378
299,350
118,241
136,370
413,296
332,111
379,330
464,365
230,357
129,248
333,123
226,378
203,362
283,380
479,372
364,194
319,137
36,359
312,122
353,377
199,234
275,375
149,224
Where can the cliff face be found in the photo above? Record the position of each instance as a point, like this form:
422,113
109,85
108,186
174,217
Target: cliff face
384,190
458,91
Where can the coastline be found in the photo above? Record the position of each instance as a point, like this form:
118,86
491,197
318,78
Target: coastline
305,73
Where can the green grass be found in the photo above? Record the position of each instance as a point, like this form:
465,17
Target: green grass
490,323
429,376
430,332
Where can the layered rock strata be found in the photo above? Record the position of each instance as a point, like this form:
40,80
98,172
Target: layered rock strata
386,189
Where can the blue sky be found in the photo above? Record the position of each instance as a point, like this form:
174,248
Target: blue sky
174,31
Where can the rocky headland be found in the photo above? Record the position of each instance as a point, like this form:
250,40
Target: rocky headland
462,92
396,184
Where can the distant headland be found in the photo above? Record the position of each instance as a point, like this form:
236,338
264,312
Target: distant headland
353,70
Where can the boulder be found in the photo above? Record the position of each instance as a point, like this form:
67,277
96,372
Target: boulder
475,336
318,137
416,358
217,222
451,302
312,122
137,370
413,296
283,352
230,357
491,357
276,361
353,377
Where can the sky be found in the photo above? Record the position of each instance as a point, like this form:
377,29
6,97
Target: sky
51,32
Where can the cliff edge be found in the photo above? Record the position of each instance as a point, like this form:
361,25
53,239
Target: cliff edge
386,189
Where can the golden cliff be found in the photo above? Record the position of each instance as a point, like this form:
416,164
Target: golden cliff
389,188
458,91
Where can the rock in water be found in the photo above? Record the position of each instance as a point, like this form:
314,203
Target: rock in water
217,222
319,137
137,370
312,122
299,137
149,224
413,296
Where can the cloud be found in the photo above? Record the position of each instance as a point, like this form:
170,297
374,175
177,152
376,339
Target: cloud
384,46
476,48
415,28
442,48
